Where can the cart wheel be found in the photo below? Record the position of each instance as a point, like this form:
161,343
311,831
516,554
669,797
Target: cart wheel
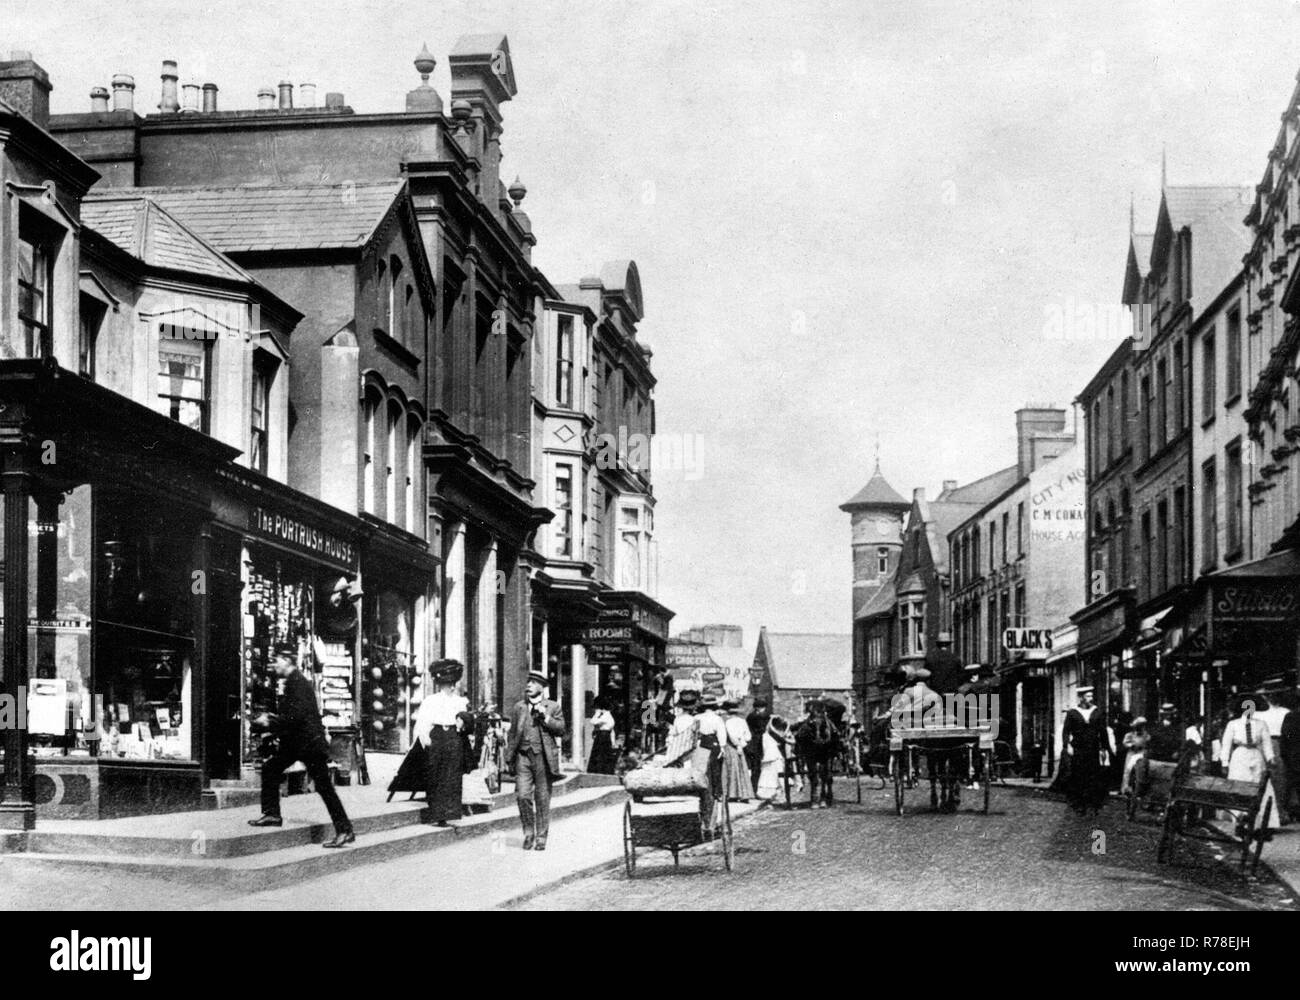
629,842
988,779
898,784
728,837
1165,851
1130,805
857,777
1261,832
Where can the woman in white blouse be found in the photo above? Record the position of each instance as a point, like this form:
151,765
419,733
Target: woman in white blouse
603,757
1246,752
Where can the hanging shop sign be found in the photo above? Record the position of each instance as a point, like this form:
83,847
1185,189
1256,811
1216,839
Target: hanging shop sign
301,536
606,633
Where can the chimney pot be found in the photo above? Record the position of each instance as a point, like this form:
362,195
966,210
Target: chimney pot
98,99
123,92
190,97
19,55
949,484
919,494
307,95
286,95
209,97
333,99
170,102
265,98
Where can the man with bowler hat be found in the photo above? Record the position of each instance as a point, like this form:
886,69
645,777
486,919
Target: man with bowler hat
532,754
301,736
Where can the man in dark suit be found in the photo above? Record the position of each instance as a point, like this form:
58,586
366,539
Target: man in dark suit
301,736
532,754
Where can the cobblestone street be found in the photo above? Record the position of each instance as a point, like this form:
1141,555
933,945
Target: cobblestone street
1030,852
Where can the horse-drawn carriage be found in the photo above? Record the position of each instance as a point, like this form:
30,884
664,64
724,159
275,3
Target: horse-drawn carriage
953,739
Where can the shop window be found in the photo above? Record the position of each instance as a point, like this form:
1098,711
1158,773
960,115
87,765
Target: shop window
259,418
564,511
564,362
392,686
183,380
91,319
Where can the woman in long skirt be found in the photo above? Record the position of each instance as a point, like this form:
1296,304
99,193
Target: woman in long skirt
604,758
438,727
775,744
1247,751
736,783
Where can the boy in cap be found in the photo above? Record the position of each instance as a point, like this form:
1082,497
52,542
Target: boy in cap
532,754
302,737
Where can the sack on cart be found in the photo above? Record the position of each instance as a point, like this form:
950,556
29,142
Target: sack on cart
665,781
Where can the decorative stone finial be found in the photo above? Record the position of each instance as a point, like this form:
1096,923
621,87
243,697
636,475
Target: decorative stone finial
424,63
517,191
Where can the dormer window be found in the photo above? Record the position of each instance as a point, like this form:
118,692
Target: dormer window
183,379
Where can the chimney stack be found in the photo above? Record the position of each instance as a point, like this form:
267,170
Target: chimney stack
266,99
286,95
190,96
26,87
98,100
169,103
307,95
949,485
209,97
334,100
123,92
918,494
1035,422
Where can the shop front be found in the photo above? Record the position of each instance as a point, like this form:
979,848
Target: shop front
1237,632
627,649
400,577
107,511
1105,650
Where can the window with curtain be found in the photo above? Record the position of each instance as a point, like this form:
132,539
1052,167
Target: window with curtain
35,276
183,380
563,500
259,415
564,362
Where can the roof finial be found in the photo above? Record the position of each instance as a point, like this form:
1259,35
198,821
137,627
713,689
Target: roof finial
1130,212
877,452
1163,170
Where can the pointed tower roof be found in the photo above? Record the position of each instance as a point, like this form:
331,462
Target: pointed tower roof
877,494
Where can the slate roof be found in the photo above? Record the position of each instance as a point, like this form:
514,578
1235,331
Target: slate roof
984,490
150,234
810,661
882,601
246,218
877,493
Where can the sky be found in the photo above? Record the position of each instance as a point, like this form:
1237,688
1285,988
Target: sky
852,220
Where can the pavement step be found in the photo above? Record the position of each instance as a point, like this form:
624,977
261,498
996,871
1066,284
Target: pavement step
304,860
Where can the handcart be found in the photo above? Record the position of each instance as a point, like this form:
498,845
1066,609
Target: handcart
1189,790
673,808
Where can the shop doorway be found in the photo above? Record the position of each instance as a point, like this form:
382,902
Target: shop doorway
225,658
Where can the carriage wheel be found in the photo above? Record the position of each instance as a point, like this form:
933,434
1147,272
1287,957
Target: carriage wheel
1261,832
629,842
857,776
988,779
728,838
1130,805
1165,851
898,784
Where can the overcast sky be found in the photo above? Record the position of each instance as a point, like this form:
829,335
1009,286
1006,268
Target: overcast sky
851,219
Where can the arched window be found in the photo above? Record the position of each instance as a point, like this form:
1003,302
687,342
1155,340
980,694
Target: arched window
394,301
414,520
370,411
392,454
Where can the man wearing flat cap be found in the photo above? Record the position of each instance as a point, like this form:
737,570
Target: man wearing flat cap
442,718
532,754
301,737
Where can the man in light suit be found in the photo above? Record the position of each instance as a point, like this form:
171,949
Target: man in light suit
532,754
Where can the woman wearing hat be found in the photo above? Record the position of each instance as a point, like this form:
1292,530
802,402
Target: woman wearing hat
603,759
736,783
438,725
776,739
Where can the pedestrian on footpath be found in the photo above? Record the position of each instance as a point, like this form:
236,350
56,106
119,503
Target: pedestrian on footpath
532,754
1089,744
439,727
1247,752
757,721
603,758
737,785
301,737
1274,716
776,743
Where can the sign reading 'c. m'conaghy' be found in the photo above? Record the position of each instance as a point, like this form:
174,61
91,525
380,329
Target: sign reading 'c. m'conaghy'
289,531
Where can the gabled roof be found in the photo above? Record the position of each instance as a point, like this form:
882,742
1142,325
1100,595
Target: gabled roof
877,493
981,491
246,218
1220,238
150,234
1137,266
809,660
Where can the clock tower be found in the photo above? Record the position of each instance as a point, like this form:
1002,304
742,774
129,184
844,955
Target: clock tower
876,514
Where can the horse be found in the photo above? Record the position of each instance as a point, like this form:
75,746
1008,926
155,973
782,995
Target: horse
816,743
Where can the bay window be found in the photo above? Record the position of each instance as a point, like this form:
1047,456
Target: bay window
564,362
563,501
184,382
911,622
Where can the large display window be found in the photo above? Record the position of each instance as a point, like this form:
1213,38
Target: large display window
392,685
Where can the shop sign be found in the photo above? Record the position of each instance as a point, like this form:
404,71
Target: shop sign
605,652
298,535
1035,643
606,633
650,621
1256,602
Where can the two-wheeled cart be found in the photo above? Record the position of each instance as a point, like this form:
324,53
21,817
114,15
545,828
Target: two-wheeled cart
952,755
673,809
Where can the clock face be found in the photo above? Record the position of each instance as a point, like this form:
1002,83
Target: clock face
883,528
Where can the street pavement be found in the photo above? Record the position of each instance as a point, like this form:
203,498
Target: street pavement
1030,852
